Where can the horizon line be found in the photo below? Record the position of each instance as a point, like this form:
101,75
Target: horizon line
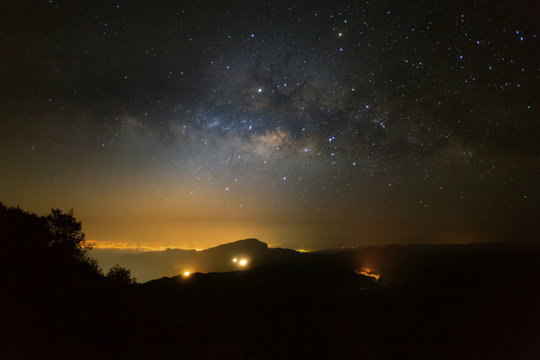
146,247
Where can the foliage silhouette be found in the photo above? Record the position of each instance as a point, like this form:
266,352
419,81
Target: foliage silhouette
46,244
65,232
120,274
451,303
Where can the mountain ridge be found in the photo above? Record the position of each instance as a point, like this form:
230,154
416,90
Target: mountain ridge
156,264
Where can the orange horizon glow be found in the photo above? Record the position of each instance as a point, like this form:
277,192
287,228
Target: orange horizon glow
134,246
368,272
142,235
144,247
147,235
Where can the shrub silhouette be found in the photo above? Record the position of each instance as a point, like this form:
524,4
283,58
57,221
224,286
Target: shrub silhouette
33,242
65,233
120,274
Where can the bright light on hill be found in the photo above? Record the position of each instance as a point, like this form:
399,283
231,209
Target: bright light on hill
368,272
240,262
186,273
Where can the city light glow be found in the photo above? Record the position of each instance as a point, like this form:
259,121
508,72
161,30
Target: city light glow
368,272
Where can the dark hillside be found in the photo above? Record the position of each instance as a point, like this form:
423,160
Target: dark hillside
373,303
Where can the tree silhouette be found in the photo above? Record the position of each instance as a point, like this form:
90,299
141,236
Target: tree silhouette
65,233
36,242
120,274
22,231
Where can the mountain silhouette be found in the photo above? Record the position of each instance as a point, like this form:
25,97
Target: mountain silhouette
156,264
476,301
445,303
397,264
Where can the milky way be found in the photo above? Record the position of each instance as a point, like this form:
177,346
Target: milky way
326,122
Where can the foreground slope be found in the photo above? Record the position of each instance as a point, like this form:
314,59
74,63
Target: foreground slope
422,302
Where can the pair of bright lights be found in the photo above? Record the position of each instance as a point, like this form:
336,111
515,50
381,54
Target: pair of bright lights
241,262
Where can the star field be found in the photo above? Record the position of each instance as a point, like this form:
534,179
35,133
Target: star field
322,124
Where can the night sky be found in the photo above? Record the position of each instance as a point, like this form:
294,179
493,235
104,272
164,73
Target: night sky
326,124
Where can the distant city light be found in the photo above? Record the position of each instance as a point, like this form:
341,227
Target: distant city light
368,272
234,260
186,273
243,262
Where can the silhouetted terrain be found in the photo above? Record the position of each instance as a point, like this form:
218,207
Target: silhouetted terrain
155,264
430,302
